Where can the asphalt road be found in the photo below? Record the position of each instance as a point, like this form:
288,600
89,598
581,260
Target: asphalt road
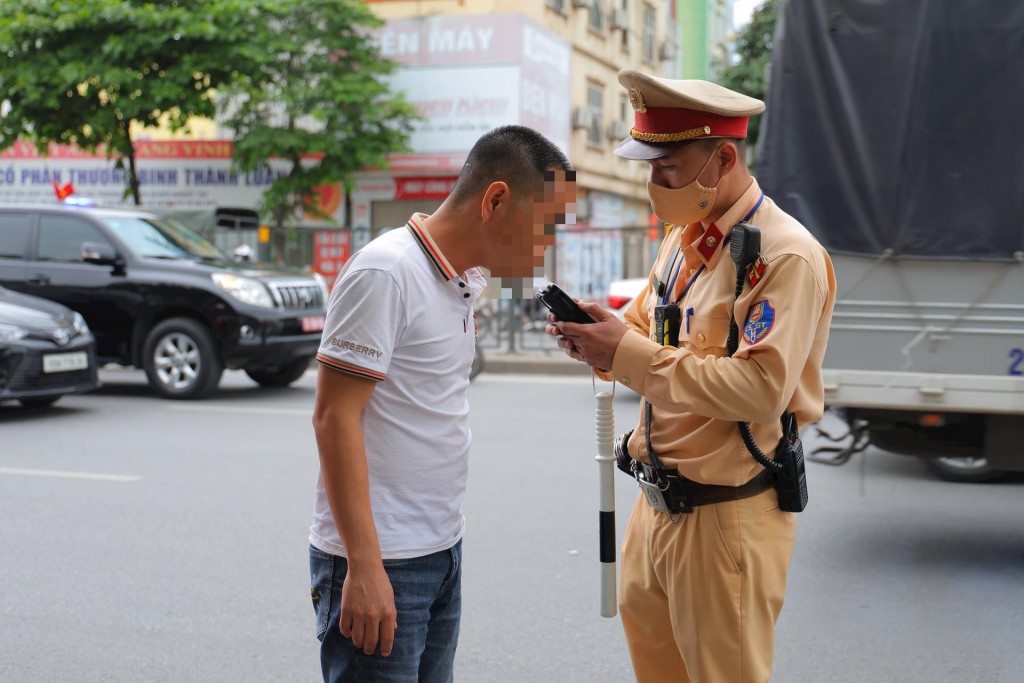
149,540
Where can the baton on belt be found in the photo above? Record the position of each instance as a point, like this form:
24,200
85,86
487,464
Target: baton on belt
605,458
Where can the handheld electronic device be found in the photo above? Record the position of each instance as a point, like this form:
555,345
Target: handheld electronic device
562,306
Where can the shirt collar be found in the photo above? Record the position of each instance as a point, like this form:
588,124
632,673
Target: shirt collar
417,227
708,245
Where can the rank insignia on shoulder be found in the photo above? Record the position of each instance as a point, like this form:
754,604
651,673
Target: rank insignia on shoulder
755,271
760,320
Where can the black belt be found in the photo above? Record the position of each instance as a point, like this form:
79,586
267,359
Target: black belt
669,491
707,494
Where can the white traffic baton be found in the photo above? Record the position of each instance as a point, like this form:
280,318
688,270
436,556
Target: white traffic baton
605,419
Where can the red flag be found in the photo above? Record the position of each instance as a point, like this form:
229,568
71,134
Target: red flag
63,192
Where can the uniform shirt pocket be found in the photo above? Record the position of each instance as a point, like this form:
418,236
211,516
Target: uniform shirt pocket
708,336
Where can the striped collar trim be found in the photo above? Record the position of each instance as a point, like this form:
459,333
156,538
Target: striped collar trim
426,242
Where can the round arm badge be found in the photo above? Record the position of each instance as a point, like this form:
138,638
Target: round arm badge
760,320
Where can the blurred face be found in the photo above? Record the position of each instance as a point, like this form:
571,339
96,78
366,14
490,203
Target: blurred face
530,228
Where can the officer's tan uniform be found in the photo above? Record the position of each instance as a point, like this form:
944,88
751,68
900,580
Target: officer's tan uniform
700,595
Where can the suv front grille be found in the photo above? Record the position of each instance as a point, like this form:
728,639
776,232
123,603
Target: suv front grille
297,295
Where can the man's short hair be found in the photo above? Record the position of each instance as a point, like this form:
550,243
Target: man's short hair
519,156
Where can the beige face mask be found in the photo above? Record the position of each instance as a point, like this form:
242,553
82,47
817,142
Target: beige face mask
684,205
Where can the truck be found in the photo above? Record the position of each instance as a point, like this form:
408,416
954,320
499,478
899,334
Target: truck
889,134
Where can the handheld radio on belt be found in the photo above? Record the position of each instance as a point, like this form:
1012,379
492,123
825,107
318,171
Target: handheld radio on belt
788,465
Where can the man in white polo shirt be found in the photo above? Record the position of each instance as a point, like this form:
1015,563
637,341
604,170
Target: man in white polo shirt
391,411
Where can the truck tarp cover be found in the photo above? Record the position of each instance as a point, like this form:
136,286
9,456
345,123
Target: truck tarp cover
898,124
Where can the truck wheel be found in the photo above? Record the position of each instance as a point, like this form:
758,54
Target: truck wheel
181,359
962,469
279,377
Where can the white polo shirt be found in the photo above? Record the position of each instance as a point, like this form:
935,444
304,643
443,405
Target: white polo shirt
400,315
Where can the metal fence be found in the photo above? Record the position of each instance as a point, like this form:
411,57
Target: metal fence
506,324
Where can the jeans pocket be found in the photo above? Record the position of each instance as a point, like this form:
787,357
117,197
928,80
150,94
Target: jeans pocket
321,571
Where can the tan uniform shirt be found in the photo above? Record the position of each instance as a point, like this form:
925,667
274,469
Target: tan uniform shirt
697,392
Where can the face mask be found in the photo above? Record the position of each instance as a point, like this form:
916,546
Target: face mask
684,205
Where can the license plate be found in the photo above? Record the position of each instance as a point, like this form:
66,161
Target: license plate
313,323
64,362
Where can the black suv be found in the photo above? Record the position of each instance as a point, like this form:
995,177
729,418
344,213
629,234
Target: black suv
159,296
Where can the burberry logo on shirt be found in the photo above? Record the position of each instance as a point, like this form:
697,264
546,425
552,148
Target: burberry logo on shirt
357,348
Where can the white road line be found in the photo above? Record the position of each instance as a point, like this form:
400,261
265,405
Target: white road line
58,474
207,408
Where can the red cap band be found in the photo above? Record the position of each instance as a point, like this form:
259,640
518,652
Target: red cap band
673,124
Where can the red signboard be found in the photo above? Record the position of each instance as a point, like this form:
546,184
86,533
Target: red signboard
330,252
423,188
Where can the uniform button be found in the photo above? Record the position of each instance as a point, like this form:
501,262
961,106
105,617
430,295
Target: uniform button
700,338
462,284
466,295
692,271
626,381
643,430
710,241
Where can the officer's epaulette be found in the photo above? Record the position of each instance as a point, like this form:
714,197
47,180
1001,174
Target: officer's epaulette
755,271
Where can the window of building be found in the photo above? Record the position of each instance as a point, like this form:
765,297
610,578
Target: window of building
625,34
595,108
557,5
647,38
596,14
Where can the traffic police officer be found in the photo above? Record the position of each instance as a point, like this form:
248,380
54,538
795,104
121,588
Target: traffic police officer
702,588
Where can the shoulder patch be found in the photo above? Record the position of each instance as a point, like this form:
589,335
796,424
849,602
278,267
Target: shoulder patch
760,320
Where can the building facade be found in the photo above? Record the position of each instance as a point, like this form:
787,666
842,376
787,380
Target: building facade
471,65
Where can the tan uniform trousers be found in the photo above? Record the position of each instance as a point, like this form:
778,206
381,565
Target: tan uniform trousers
700,596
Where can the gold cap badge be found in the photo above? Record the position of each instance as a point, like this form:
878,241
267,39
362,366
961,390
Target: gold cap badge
636,100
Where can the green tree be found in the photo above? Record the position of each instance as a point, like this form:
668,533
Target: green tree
318,99
81,72
754,48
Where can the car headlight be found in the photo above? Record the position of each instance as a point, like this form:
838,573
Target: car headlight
80,325
244,289
11,333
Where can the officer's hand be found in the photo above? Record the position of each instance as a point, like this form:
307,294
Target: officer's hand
563,342
594,344
368,614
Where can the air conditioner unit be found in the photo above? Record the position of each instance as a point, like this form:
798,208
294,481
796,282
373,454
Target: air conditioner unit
618,130
582,4
580,117
667,51
620,20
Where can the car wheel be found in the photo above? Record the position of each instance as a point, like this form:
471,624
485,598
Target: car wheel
38,402
962,469
279,377
181,359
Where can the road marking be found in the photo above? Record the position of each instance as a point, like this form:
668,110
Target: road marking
205,408
59,474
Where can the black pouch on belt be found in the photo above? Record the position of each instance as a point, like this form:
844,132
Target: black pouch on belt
791,479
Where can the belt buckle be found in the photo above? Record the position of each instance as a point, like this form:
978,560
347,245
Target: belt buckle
654,495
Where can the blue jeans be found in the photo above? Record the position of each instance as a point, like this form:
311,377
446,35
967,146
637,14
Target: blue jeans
428,597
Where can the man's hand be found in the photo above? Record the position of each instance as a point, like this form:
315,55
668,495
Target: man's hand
593,344
368,614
